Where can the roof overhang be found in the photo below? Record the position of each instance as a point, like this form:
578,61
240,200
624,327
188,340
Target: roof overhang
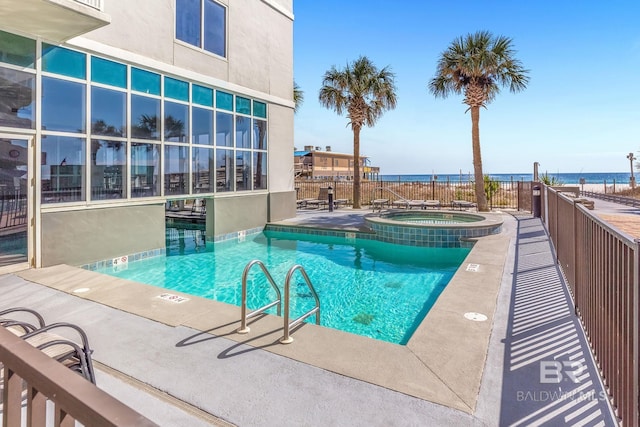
54,20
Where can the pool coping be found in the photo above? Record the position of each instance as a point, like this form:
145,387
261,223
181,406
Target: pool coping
443,362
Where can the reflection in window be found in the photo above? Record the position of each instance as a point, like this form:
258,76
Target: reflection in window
176,170
224,170
188,22
63,105
202,126
145,167
176,122
259,134
17,99
145,117
203,167
243,133
108,112
259,171
108,169
224,130
243,170
63,169
17,50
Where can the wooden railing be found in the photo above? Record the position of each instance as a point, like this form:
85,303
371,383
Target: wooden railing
74,398
602,269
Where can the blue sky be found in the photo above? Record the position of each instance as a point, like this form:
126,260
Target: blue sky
579,113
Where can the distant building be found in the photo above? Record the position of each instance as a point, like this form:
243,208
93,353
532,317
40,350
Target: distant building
313,163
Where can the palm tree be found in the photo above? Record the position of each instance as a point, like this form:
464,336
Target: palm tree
477,66
364,93
298,97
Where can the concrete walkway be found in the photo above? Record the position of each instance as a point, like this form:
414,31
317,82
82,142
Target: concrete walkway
181,376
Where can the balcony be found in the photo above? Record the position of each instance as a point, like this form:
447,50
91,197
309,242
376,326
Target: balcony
53,20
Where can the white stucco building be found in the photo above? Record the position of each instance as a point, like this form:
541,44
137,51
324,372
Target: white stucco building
111,108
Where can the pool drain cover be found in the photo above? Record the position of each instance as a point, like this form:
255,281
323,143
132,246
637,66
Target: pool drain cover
476,317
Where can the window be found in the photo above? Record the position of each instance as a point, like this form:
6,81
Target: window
17,50
202,170
202,23
224,170
63,61
224,130
18,96
63,169
243,170
176,122
108,169
63,105
243,133
145,167
108,112
108,72
176,170
202,132
145,117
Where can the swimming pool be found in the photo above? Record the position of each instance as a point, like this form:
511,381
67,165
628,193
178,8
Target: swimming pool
379,290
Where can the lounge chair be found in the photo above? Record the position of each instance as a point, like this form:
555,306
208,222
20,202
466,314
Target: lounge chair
416,204
323,200
435,204
379,204
76,356
403,203
462,204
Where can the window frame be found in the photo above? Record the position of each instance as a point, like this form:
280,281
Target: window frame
201,46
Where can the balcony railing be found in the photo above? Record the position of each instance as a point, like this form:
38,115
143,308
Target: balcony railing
96,4
73,397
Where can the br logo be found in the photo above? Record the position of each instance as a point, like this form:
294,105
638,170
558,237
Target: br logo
553,372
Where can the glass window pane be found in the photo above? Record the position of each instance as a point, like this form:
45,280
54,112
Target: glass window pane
64,61
17,95
145,81
188,22
108,169
176,170
214,27
63,169
243,132
203,167
224,101
17,50
145,167
202,126
259,134
243,170
176,122
224,170
260,109
243,105
259,171
145,117
108,112
202,95
176,89
108,72
224,130
63,105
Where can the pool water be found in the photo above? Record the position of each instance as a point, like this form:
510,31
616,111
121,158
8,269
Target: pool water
379,290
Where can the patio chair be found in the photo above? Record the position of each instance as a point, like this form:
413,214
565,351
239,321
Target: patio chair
379,204
416,204
76,356
402,203
323,200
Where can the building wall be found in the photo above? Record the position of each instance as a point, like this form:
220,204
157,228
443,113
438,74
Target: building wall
236,213
83,236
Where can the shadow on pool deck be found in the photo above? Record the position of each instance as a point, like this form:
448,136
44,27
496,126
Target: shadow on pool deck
475,372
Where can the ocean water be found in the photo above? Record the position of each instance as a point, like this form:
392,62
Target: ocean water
563,178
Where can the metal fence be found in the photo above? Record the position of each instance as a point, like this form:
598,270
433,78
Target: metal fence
13,208
508,194
602,269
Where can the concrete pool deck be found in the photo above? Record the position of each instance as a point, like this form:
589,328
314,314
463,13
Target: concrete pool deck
452,372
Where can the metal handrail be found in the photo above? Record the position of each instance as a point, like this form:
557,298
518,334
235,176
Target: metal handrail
390,191
243,309
287,339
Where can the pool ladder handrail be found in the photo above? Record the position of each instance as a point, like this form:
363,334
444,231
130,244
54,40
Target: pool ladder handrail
243,310
287,339
390,191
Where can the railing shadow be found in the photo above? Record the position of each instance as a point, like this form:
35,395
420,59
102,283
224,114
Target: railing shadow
549,375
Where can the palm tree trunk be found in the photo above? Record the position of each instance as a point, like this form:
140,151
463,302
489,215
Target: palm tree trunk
481,197
356,167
